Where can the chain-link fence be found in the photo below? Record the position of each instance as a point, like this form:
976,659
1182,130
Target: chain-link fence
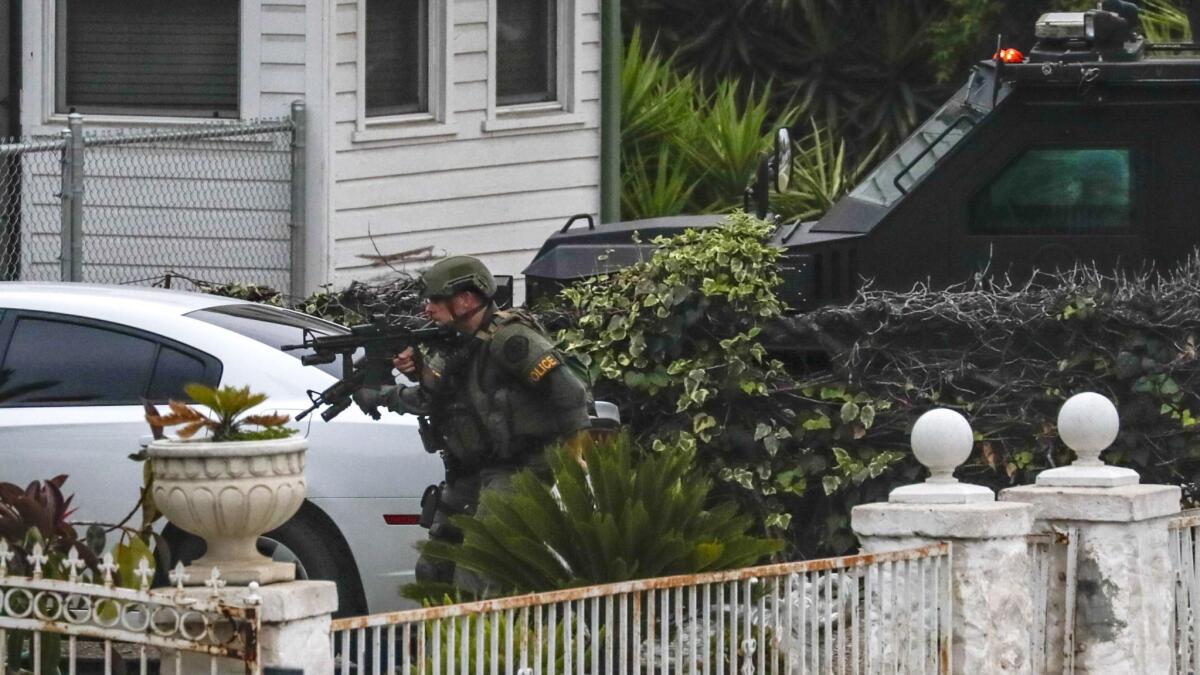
218,202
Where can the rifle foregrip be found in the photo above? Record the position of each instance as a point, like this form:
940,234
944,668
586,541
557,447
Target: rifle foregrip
335,409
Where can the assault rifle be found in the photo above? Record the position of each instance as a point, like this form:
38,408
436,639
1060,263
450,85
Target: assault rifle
379,341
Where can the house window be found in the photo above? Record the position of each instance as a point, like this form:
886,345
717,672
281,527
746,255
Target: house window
526,51
397,57
148,57
1058,191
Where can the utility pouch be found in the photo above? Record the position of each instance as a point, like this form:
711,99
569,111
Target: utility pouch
430,439
429,504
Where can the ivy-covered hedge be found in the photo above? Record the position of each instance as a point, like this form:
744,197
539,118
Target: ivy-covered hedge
679,342
1007,356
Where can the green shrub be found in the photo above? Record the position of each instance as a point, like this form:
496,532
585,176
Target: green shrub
859,67
687,148
611,514
675,340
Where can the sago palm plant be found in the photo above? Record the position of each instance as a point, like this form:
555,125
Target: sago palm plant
228,420
612,513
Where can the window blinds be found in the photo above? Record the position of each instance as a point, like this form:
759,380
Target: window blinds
397,57
153,57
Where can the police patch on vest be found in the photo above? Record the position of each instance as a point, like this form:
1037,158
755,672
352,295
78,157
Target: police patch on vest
548,363
516,348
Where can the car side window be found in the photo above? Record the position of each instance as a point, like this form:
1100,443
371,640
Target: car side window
52,360
1058,191
60,362
172,372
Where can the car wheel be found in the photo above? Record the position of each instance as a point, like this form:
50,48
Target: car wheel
309,540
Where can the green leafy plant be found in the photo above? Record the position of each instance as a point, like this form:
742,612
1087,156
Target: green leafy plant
676,340
32,517
456,636
229,406
821,174
1165,21
38,514
861,68
688,148
656,187
612,513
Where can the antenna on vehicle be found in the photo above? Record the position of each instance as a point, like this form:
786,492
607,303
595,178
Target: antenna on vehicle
999,69
1193,15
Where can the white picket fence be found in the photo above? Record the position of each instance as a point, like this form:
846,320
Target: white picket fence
1183,542
885,612
85,622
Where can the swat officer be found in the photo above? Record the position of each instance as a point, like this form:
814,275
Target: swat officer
493,403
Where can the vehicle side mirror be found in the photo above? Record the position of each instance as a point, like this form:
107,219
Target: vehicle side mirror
781,160
773,169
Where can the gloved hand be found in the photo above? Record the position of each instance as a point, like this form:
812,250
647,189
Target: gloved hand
369,400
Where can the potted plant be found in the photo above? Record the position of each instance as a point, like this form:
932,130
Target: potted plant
231,486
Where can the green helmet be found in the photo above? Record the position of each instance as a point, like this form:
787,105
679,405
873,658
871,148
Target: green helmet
456,274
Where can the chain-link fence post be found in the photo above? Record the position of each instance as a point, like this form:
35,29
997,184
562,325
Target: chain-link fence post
298,225
72,199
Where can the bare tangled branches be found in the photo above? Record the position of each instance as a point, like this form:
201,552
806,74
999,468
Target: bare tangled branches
394,296
1008,354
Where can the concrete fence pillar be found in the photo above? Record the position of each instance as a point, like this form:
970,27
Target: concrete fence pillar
294,632
1123,584
990,570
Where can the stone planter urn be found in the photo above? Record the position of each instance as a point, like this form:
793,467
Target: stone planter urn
230,493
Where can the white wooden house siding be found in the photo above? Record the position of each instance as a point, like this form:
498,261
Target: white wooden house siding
478,182
124,184
462,188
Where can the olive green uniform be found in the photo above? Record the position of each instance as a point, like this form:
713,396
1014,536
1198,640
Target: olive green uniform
495,404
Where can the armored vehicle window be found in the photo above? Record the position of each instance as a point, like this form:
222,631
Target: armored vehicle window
1058,191
920,152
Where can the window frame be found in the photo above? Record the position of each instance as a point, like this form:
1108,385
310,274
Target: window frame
437,120
550,60
1136,188
213,368
564,110
53,19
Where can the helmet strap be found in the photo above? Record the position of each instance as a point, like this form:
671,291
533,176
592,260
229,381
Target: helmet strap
460,320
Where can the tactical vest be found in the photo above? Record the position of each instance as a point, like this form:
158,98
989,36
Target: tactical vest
490,411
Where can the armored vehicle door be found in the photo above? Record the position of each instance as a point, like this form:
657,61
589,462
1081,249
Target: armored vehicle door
1066,185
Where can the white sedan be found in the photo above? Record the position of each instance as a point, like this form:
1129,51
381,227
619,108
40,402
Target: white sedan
80,360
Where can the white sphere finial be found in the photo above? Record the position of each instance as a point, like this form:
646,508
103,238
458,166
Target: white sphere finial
1088,423
942,440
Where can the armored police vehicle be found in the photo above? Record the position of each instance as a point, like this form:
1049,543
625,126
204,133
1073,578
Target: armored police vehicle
1086,149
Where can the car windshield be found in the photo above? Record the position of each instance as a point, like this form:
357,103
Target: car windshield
272,326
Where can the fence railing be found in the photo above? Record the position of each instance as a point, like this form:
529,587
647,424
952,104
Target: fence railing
1052,556
1182,545
223,202
884,612
108,629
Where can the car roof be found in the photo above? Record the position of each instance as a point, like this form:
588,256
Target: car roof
161,299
